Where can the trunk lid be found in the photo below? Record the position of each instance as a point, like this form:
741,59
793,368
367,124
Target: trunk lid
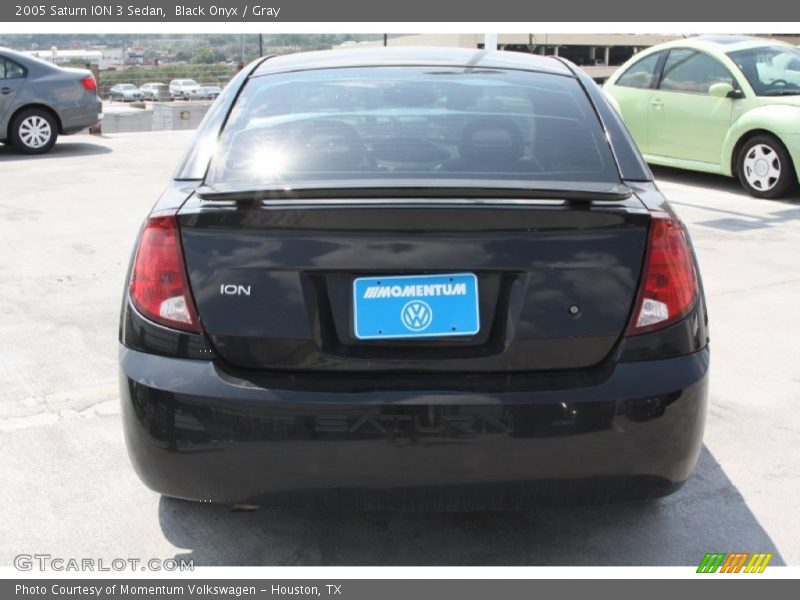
273,281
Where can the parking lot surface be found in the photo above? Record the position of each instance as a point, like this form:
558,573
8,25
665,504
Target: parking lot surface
67,224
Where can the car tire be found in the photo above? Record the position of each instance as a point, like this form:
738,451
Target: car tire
33,131
765,168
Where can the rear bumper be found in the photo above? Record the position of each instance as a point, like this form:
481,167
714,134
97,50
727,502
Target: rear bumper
196,432
82,116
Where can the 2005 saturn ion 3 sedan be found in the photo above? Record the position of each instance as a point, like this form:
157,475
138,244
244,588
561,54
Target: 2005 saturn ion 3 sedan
410,278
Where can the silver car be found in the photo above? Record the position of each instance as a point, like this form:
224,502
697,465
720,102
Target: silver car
155,91
206,92
40,101
126,92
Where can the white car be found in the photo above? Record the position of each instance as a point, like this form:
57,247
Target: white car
183,88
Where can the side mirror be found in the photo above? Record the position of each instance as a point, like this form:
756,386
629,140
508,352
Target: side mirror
724,90
720,90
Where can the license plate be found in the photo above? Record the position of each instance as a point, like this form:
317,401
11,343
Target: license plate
415,306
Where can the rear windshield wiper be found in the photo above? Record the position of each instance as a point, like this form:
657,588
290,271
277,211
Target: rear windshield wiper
585,192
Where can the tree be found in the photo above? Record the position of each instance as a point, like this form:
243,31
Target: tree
205,56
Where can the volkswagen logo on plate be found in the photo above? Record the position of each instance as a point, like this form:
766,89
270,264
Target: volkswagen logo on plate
416,315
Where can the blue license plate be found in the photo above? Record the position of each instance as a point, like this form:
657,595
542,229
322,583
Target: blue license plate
415,306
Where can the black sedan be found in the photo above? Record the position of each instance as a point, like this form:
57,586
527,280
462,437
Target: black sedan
413,278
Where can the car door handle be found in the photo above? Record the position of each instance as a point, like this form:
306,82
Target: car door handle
5,91
657,104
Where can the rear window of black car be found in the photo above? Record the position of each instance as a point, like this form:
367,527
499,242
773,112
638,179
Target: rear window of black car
406,123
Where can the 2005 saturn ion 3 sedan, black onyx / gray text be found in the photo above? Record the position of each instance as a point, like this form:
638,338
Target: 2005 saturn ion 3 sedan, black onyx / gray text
410,278
39,101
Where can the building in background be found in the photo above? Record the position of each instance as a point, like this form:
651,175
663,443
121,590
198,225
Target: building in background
101,57
598,53
135,56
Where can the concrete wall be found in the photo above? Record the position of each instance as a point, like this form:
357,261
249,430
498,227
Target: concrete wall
178,115
127,121
160,116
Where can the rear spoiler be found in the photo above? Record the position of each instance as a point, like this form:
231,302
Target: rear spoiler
457,191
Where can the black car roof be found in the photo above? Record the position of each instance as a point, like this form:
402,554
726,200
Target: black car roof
416,56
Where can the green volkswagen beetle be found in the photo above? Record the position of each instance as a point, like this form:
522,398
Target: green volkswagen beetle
721,104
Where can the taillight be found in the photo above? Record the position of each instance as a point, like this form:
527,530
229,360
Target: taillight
669,286
159,286
89,84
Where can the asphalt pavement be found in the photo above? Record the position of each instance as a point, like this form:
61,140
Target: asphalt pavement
67,225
